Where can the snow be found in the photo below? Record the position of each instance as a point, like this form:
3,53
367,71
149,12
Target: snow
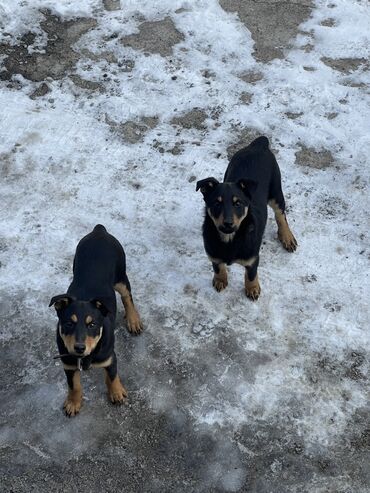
66,169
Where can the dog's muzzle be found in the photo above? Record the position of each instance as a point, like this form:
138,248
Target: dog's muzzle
227,229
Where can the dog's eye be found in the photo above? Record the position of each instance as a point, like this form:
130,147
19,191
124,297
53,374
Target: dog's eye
237,203
68,325
92,325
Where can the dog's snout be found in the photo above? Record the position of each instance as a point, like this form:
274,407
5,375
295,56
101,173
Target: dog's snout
79,347
228,224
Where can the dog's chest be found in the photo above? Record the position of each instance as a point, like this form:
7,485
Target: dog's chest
232,252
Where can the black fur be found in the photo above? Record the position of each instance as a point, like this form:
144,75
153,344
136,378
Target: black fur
236,210
98,265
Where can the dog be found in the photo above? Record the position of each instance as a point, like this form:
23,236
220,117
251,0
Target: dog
87,313
236,213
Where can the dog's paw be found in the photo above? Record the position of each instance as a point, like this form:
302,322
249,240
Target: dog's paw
134,324
118,394
219,284
253,291
116,391
72,406
288,241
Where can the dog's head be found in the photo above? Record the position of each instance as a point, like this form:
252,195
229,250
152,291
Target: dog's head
80,322
227,203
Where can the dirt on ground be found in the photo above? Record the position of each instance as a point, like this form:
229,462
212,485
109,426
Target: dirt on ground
156,442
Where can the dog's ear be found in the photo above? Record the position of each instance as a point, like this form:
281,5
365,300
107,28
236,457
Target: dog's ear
247,186
105,305
61,301
207,185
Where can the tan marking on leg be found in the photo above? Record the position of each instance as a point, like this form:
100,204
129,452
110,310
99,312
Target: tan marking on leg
284,233
220,279
73,402
134,324
116,391
252,288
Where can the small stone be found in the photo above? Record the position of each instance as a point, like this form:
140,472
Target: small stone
41,90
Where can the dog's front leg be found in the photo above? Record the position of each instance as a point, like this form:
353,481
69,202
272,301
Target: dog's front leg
73,402
116,391
220,276
252,285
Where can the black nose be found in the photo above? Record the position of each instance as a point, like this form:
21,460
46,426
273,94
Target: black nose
228,225
79,347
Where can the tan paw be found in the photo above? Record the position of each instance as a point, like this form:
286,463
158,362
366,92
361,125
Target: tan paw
134,324
288,241
72,406
117,394
219,284
253,291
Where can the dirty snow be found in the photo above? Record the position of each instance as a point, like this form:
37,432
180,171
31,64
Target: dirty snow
230,395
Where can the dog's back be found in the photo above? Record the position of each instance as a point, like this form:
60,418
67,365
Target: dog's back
98,264
255,162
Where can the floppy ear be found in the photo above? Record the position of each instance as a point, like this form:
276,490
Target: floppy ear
61,301
248,186
207,185
104,305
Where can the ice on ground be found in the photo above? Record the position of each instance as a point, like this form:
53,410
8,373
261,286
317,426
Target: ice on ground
226,394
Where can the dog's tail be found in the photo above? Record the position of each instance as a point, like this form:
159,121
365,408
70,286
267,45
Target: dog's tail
99,228
261,143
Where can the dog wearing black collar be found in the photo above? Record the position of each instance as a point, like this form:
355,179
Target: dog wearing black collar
87,314
236,213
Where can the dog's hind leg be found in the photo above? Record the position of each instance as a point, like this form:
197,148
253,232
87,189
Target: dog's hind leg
251,283
277,203
116,391
73,402
134,324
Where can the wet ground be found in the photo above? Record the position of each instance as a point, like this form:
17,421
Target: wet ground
224,395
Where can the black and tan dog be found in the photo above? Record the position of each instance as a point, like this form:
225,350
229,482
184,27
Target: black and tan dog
236,213
87,313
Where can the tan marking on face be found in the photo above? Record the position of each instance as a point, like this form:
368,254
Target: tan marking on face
73,402
238,220
103,364
116,391
69,342
88,320
220,280
134,324
252,288
92,342
218,221
219,199
74,318
246,263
